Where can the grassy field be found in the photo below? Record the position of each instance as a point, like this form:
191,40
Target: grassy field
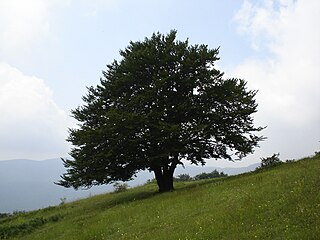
278,203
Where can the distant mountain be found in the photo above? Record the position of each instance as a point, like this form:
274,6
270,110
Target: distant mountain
29,185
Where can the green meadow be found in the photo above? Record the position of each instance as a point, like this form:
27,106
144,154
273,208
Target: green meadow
277,203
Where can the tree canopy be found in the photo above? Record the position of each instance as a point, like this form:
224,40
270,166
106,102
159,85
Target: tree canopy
214,174
162,103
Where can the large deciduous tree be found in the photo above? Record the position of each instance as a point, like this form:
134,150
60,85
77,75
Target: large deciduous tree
162,103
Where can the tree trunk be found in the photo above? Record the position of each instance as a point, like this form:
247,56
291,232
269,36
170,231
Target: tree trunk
164,177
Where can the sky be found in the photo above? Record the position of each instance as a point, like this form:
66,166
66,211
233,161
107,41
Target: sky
51,50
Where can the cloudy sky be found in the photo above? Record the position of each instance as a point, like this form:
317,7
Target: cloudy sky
50,50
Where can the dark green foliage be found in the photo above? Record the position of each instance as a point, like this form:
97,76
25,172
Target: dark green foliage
17,212
163,102
120,187
26,227
186,177
213,174
8,216
270,161
4,215
183,178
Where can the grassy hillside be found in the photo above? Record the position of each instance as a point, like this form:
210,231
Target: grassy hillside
279,203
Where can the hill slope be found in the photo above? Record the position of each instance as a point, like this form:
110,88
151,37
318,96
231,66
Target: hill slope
280,203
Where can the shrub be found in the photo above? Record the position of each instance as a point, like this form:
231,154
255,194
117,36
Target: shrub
153,180
25,227
183,178
16,212
4,215
63,200
213,174
270,161
120,187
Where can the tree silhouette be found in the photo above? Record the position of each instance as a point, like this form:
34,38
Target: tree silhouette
162,103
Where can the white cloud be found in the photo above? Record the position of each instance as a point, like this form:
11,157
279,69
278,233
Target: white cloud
25,23
288,79
22,21
31,124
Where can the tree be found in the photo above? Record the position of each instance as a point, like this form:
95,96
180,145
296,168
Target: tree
213,174
120,187
183,178
162,103
271,161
